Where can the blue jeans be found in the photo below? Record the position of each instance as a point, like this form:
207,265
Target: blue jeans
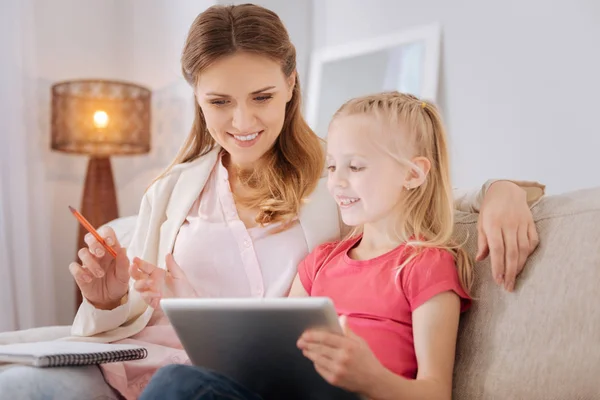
184,382
65,383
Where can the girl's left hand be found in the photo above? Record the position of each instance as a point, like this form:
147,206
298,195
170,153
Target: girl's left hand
506,231
345,361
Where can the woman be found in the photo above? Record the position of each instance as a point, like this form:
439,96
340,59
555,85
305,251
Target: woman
244,201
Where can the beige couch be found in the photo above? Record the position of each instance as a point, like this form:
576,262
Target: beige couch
540,342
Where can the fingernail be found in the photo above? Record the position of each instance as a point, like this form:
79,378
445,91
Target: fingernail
110,241
100,273
100,252
510,286
499,279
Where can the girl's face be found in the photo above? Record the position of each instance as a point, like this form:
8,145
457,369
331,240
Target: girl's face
364,180
243,98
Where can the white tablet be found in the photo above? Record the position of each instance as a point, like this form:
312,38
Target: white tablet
253,340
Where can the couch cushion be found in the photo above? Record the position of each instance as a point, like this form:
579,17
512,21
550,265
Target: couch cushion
543,340
124,228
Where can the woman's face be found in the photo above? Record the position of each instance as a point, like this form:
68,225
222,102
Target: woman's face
243,98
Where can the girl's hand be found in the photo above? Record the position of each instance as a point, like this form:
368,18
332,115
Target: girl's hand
150,280
345,361
506,231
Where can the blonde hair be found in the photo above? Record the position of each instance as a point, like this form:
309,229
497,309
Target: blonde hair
290,170
428,210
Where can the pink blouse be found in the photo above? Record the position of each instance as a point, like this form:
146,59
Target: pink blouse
221,258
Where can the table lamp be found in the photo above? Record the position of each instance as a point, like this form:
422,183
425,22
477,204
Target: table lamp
99,118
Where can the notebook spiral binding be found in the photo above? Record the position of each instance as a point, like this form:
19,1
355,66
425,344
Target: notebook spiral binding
95,358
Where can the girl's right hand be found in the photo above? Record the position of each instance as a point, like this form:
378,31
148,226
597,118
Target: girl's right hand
103,280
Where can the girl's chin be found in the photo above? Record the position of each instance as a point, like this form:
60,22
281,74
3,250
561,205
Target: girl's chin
352,220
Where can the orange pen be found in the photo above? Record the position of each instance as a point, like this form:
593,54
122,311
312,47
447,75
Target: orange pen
84,222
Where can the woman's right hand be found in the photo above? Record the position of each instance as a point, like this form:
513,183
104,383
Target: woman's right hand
103,280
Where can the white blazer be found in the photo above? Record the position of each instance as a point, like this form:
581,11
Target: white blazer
162,212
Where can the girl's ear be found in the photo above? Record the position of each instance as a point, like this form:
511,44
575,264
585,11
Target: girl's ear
418,173
291,81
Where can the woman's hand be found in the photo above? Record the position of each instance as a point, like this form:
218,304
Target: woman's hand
506,231
345,361
150,280
103,280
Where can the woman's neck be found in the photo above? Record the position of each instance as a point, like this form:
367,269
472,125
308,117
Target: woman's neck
233,172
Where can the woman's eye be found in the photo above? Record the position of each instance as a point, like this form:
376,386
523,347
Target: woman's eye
355,168
262,99
219,102
331,168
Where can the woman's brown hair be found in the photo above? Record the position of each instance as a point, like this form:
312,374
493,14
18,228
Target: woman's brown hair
287,173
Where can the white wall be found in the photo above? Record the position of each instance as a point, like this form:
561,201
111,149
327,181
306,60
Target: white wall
519,84
24,227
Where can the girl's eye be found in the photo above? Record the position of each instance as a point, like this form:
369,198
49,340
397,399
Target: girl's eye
331,168
356,169
262,99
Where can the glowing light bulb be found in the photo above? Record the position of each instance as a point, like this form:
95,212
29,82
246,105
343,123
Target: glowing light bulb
100,119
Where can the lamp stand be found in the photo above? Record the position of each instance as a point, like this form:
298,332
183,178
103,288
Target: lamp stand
99,202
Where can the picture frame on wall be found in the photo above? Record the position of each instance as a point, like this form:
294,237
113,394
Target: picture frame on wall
407,61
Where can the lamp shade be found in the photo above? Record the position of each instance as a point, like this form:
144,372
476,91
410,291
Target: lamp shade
100,117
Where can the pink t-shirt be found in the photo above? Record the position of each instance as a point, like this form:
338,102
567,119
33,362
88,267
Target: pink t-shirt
377,300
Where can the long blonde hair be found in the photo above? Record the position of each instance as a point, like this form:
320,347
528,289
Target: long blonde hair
290,170
427,210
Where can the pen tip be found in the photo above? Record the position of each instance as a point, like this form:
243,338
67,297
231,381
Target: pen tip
71,209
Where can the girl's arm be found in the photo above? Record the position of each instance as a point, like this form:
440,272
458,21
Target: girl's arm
347,361
297,289
435,329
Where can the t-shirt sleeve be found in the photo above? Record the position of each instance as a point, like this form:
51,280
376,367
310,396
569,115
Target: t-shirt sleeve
430,273
308,268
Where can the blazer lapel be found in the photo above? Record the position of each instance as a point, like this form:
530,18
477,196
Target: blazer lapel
188,187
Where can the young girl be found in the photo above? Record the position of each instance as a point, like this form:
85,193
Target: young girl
399,281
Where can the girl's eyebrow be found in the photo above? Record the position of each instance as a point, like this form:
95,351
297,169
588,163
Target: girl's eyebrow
255,92
346,157
354,155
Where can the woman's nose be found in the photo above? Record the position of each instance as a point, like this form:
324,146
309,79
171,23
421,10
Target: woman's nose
243,119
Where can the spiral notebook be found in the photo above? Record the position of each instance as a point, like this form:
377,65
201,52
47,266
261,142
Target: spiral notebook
67,353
